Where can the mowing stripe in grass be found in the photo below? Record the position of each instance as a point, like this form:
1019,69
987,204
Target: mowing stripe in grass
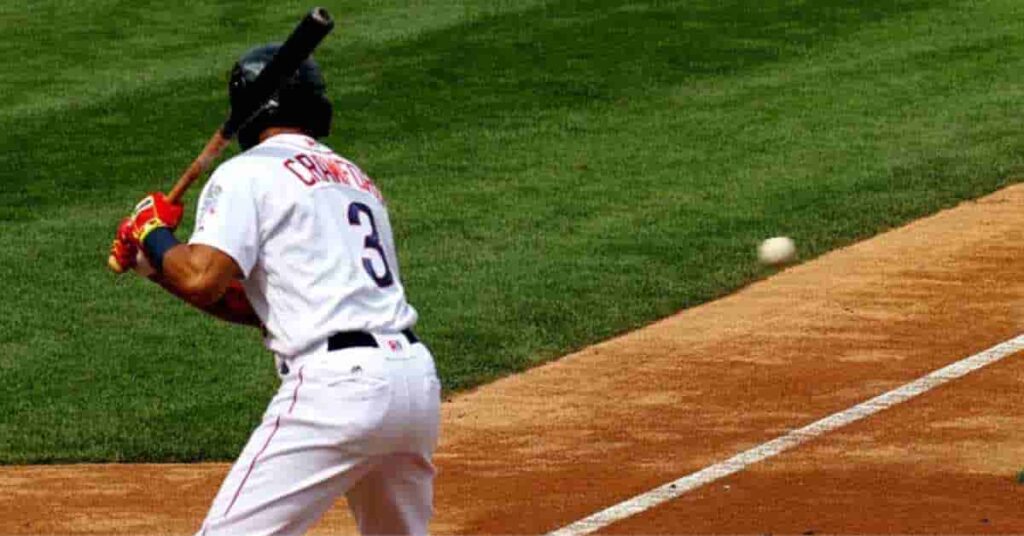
681,486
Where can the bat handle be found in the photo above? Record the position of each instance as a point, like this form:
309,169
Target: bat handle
216,145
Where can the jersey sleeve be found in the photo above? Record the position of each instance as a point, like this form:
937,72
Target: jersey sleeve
227,219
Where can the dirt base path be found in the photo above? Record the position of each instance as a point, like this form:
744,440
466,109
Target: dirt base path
539,450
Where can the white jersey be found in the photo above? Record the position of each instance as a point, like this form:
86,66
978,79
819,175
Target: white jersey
312,237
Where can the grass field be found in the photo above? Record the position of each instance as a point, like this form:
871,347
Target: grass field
558,172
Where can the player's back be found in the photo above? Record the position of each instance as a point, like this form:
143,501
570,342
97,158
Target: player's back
317,251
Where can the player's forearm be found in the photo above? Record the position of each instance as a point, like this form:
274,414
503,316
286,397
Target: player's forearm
232,307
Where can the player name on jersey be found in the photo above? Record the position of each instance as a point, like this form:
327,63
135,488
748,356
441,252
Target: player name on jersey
312,169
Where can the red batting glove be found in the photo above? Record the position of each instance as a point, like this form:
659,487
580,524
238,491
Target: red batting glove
123,250
153,212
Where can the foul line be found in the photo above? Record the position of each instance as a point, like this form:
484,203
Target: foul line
783,443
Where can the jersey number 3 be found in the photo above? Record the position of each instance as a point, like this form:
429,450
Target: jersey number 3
371,242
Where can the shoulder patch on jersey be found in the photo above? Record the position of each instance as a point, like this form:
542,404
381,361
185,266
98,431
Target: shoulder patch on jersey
209,205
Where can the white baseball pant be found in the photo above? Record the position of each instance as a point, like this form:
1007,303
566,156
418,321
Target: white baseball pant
360,422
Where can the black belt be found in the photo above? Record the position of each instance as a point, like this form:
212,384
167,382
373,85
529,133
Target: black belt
353,339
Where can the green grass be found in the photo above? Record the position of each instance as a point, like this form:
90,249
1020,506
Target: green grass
557,172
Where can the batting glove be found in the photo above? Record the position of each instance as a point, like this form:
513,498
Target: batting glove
122,250
154,212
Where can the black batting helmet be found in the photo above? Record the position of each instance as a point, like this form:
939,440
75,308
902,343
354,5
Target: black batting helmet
301,102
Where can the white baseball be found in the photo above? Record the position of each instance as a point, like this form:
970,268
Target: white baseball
776,251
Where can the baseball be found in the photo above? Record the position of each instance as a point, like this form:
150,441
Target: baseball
777,251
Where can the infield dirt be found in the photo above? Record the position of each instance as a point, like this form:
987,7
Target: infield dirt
536,451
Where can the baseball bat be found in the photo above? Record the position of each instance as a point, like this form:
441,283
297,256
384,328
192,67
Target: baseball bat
296,48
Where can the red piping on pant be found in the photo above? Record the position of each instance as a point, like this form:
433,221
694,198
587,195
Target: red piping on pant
277,425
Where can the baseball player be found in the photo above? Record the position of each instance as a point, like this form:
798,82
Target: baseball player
292,237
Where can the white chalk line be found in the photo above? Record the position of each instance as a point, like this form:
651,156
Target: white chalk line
676,488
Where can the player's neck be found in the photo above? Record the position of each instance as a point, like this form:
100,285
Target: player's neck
274,131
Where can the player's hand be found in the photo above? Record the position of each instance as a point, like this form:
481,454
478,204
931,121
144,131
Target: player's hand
153,212
122,250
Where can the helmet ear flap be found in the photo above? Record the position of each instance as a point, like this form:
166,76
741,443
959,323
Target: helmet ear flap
249,134
267,115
